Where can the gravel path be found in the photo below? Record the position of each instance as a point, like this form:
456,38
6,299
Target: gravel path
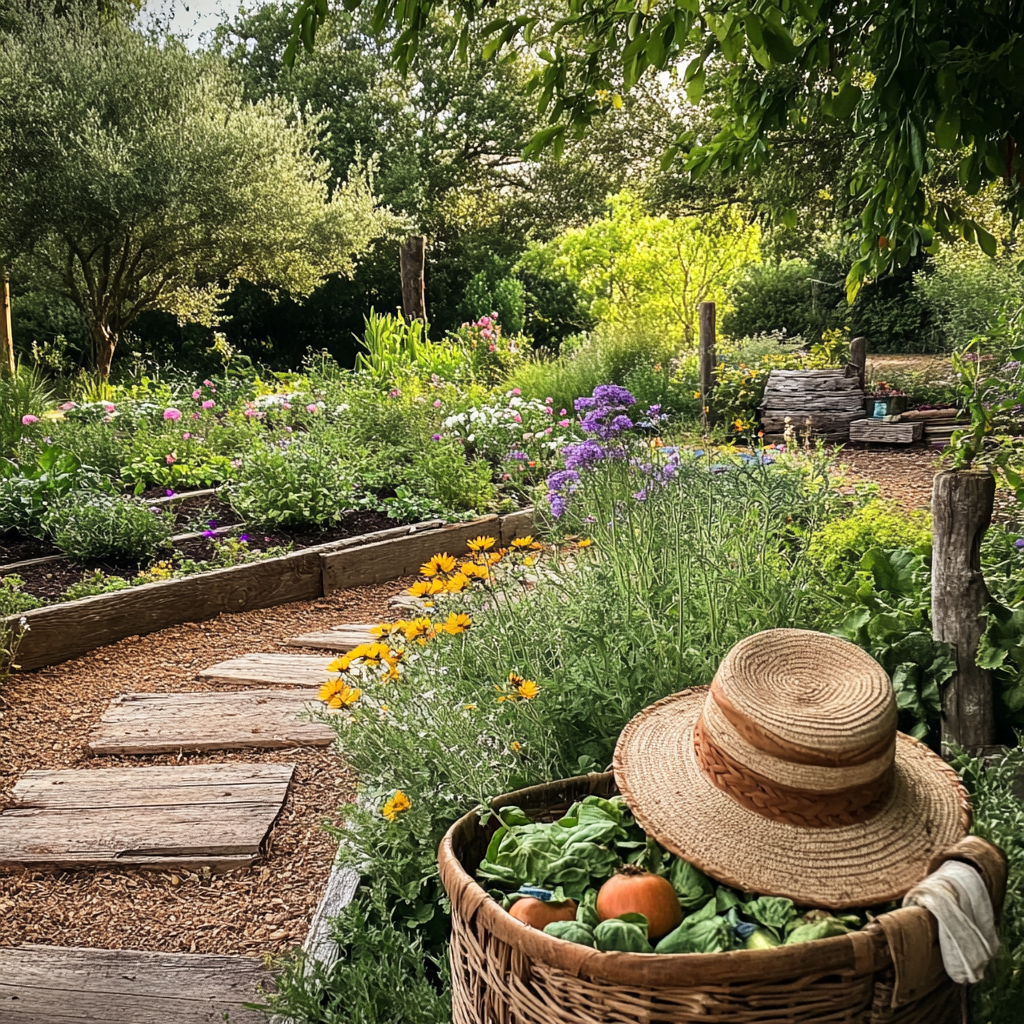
45,718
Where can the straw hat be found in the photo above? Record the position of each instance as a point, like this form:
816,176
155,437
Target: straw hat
788,777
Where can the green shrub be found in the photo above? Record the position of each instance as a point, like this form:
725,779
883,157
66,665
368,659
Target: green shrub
97,582
841,543
95,526
298,482
503,297
442,473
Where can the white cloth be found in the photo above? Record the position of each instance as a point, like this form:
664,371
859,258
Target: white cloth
956,897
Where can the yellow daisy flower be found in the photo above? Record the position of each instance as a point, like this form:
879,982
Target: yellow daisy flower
396,805
522,542
458,583
419,588
480,544
475,572
338,694
457,623
443,563
340,664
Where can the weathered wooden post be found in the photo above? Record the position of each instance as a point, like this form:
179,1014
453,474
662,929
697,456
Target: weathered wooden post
706,311
412,258
859,358
961,512
7,365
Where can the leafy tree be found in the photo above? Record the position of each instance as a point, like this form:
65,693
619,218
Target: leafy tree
632,266
920,86
133,178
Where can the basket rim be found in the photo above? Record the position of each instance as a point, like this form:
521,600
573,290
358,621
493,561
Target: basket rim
861,952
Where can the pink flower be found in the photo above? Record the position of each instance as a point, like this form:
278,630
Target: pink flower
492,348
208,383
249,412
29,420
285,405
548,401
561,412
287,430
486,333
172,414
109,406
437,403
185,436
236,463
518,418
197,394
563,423
517,392
69,405
310,408
549,411
547,430
208,404
172,459
195,415
485,321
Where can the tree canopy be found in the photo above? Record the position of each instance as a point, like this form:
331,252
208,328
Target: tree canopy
134,177
926,89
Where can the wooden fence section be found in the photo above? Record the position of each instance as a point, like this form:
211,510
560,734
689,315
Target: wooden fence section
59,632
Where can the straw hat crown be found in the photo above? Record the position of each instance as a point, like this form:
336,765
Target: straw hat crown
788,776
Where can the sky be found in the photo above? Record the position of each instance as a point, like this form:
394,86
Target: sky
192,18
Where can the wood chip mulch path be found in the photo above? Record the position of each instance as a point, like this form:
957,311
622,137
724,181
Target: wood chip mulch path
45,718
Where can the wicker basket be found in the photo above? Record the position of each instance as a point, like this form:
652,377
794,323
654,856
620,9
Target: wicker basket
506,973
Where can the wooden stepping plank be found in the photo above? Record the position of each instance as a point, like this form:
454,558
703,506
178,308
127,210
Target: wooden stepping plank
153,723
72,985
270,669
337,638
188,816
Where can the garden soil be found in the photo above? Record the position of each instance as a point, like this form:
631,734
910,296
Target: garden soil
45,719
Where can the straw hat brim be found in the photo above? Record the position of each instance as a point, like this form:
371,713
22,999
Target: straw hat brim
858,865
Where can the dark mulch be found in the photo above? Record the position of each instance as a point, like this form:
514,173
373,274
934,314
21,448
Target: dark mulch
49,582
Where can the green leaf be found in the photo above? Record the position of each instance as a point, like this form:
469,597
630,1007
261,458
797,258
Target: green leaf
845,101
778,43
988,244
947,129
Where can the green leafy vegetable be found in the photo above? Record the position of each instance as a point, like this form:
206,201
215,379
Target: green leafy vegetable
623,936
571,931
771,911
692,886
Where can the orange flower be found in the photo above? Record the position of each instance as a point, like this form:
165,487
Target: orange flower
516,747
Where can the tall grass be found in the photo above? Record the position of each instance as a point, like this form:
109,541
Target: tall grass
23,394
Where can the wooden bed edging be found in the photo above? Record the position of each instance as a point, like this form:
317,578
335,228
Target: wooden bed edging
58,632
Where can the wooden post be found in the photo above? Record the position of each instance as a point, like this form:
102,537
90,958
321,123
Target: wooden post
7,365
961,512
707,358
412,258
859,358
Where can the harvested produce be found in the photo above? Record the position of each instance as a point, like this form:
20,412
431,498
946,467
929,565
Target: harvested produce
539,913
634,890
594,877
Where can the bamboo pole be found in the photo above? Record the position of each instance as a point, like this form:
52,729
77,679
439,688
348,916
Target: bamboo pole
7,364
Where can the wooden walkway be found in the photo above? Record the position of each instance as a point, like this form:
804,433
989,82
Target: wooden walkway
183,816
340,638
270,670
68,985
154,723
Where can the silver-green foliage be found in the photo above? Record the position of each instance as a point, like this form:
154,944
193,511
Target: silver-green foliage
134,177
95,526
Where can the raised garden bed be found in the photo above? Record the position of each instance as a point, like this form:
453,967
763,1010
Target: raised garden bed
57,632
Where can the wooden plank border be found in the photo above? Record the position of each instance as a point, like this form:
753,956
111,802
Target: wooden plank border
58,632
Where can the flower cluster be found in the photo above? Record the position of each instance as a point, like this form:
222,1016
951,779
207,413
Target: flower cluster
396,805
374,661
446,574
516,688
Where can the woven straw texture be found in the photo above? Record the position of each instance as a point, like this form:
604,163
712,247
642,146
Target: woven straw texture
789,778
506,973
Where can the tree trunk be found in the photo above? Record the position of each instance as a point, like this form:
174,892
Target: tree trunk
7,364
104,341
707,358
412,257
961,512
858,359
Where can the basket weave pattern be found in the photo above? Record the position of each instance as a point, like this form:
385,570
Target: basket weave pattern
505,973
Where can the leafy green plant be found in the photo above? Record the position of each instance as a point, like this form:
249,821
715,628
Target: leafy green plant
89,527
13,600
29,489
294,484
891,621
841,543
96,582
441,472
393,347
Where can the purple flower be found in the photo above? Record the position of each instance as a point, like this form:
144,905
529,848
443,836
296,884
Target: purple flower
641,495
1019,543
212,523
435,437
557,503
584,454
517,456
171,494
563,480
209,533
244,538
